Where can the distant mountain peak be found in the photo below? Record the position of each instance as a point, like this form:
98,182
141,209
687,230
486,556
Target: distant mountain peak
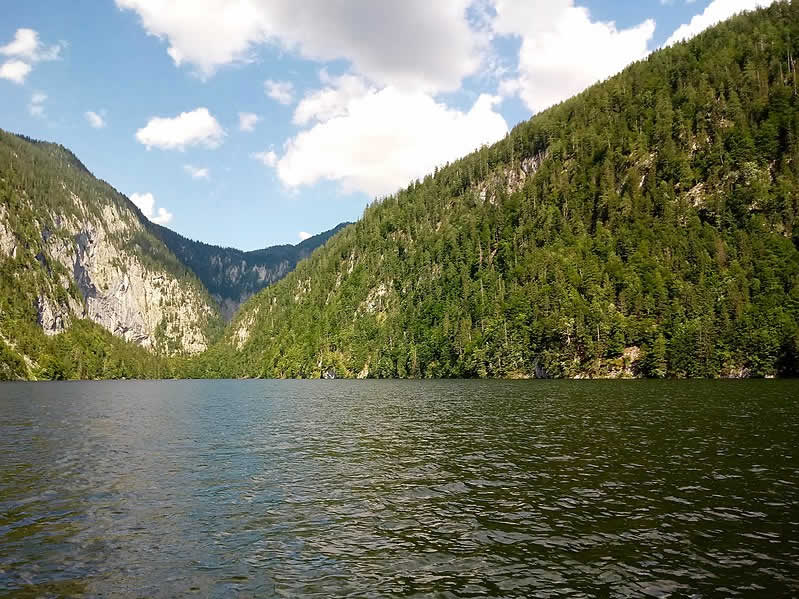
231,275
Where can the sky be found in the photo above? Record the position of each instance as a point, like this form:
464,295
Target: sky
250,123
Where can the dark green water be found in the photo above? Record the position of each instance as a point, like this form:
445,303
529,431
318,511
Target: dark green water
451,489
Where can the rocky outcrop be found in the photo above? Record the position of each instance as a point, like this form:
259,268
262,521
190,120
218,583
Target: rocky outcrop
8,241
242,332
511,177
52,317
135,302
86,255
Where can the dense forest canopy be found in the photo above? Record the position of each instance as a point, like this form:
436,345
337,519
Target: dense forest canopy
646,227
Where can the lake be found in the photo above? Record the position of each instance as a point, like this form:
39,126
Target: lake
399,488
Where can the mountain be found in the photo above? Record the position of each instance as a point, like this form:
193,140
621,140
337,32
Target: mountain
91,288
73,249
232,276
646,227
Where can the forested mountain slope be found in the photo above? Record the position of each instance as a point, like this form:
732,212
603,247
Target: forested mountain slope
232,276
645,227
73,251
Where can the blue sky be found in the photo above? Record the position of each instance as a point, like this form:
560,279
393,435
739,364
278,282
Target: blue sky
251,123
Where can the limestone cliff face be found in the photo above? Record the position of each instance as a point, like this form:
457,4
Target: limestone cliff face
91,256
137,302
122,294
8,242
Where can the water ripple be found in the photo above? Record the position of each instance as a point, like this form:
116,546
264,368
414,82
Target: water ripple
405,489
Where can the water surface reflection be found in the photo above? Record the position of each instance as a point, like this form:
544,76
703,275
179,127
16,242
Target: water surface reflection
392,488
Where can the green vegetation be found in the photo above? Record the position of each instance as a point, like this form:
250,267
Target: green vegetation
657,237
231,275
647,227
44,192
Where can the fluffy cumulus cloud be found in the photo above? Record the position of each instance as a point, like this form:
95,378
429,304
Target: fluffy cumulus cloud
95,120
197,172
146,203
379,140
24,50
303,235
280,91
716,12
563,50
247,121
15,70
330,101
195,128
27,46
410,44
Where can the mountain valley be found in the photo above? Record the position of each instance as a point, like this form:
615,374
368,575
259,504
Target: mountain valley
647,227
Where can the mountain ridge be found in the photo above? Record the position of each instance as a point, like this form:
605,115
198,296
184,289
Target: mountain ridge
88,288
646,227
232,275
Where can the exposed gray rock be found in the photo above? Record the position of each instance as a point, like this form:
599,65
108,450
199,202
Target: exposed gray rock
8,241
511,178
51,317
119,292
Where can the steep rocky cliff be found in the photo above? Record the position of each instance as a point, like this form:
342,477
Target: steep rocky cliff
77,249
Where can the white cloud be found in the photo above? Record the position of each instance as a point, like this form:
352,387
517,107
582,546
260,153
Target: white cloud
563,50
332,101
24,50
414,44
162,218
269,158
146,203
195,128
197,172
380,140
280,91
248,120
15,70
715,13
95,120
36,106
303,235
205,33
26,46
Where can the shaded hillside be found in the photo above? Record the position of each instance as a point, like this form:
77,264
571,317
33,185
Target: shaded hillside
73,251
232,276
646,227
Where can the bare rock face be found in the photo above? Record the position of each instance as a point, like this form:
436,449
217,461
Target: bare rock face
95,253
242,333
120,292
51,317
8,242
512,178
